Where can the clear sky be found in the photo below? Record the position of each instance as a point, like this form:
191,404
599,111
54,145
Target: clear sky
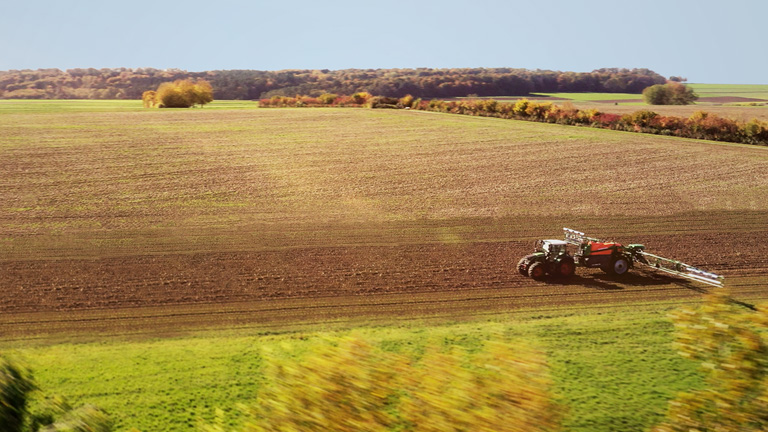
706,41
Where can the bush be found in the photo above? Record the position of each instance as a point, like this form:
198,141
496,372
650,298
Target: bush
347,385
656,95
382,102
520,108
327,98
641,118
499,389
755,132
148,98
672,93
16,388
343,386
180,94
361,98
730,344
406,101
16,384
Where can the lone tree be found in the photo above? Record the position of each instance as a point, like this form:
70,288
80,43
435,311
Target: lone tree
179,94
672,93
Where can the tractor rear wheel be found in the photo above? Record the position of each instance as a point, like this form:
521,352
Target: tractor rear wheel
566,268
618,267
537,271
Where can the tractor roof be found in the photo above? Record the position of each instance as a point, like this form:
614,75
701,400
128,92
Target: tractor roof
556,242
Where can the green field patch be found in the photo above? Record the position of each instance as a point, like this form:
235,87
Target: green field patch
731,91
613,370
26,106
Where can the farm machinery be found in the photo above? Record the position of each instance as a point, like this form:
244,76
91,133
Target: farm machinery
552,257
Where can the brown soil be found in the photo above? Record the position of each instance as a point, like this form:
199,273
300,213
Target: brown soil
730,99
156,222
316,286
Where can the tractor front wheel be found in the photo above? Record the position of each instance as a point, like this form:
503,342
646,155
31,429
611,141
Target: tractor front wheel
522,266
536,271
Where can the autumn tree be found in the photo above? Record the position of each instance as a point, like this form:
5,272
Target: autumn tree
347,385
729,342
148,98
502,388
672,93
341,386
179,94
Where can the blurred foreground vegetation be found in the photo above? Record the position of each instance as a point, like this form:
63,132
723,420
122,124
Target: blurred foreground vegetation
605,371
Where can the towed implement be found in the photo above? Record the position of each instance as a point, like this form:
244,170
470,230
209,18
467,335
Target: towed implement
552,257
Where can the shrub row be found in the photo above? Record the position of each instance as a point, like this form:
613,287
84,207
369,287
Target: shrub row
700,125
324,100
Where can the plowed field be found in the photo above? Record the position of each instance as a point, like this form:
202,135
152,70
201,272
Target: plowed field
161,221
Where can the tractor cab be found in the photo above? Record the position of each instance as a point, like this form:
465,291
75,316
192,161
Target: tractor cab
552,248
550,257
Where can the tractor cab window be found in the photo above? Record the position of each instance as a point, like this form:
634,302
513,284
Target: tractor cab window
555,249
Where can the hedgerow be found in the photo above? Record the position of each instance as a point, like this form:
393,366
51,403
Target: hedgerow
700,125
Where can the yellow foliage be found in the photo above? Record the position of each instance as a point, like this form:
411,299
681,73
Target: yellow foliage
148,98
731,346
500,389
180,94
347,385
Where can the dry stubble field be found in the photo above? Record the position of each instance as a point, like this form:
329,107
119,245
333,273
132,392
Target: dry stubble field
154,222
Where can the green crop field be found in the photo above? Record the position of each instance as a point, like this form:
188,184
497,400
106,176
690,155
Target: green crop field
705,92
758,91
147,256
614,369
11,106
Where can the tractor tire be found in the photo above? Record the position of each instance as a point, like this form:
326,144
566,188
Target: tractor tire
566,268
618,267
522,266
537,271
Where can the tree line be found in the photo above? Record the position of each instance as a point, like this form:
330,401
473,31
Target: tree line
125,83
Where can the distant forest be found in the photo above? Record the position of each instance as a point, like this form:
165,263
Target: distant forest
123,83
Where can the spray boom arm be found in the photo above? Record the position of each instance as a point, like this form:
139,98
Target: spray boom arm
638,254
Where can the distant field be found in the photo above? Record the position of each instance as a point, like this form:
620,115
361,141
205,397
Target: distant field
596,97
16,106
131,239
731,90
711,95
740,102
